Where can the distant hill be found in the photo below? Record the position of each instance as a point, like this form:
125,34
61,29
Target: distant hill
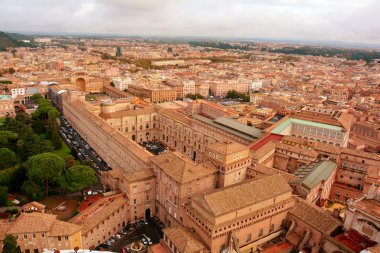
11,40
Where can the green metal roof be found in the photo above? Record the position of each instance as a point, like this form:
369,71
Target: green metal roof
320,171
237,128
5,97
289,121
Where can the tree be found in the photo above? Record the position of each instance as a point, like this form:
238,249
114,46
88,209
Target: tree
195,96
3,195
69,161
32,189
36,97
10,245
7,158
7,137
45,167
11,71
14,51
55,137
77,178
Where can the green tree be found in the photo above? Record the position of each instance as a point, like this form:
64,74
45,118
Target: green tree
11,71
7,137
69,161
10,245
7,158
45,167
77,178
36,97
32,189
55,137
195,96
3,195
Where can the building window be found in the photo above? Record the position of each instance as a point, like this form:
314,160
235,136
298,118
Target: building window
134,201
25,236
66,237
248,238
34,236
59,238
35,250
261,232
271,228
42,235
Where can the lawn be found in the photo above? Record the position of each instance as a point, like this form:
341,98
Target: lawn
64,151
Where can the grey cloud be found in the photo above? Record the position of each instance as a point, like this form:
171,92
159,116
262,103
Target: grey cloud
348,20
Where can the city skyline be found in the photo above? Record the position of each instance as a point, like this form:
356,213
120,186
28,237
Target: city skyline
321,21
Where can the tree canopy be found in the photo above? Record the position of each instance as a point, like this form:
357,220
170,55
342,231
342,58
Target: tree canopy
10,245
7,158
77,178
45,167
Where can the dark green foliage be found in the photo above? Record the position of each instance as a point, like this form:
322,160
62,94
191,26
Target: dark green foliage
7,40
28,143
3,195
234,94
46,167
32,189
55,137
36,97
219,45
7,158
77,178
195,96
10,245
5,82
118,52
350,54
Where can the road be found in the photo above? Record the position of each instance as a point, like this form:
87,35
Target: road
83,150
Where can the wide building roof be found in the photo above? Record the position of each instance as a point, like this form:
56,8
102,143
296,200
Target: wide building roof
232,198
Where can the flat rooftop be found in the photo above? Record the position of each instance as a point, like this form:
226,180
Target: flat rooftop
287,122
5,97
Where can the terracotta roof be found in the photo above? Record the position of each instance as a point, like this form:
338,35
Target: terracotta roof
183,240
315,217
98,211
227,148
4,227
360,153
139,175
126,113
32,223
272,171
298,150
61,228
325,147
181,168
232,198
264,150
34,203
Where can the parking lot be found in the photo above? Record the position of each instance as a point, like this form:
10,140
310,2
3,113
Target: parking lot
146,232
81,147
154,147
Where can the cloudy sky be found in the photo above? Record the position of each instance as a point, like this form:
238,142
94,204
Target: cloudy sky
314,20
